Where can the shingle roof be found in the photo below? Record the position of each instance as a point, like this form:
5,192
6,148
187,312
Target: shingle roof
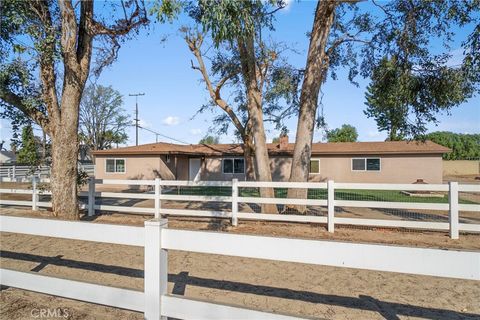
336,148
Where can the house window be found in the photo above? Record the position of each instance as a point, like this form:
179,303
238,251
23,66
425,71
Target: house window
233,165
115,166
373,164
315,166
366,164
358,164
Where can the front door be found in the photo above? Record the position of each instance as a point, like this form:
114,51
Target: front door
194,169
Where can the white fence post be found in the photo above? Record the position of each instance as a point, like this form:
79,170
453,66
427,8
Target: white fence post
453,209
34,193
9,173
156,269
158,192
91,197
331,205
14,173
234,202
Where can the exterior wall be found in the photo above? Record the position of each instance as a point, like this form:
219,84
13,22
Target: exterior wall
394,169
212,170
461,167
136,168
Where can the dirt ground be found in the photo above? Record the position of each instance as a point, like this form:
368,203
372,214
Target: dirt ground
299,289
468,178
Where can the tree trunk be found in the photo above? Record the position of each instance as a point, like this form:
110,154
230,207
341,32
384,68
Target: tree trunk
64,173
65,153
248,153
317,64
261,152
255,112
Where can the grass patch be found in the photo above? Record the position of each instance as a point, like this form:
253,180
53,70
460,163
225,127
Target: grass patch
319,194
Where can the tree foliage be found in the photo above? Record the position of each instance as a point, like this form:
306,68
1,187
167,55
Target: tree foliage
359,39
28,154
278,81
209,139
464,146
103,121
346,133
403,102
46,52
471,61
17,76
231,20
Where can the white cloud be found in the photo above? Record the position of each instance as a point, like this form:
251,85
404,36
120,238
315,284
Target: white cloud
195,132
171,121
373,134
143,123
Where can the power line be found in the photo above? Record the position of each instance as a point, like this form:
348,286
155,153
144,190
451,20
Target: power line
157,134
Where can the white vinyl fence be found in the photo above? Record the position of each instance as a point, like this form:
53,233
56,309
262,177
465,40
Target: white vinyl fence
160,193
157,239
20,173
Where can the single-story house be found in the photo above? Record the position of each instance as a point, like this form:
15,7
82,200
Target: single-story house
367,162
7,157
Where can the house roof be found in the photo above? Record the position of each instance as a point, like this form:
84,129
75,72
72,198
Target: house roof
336,148
8,154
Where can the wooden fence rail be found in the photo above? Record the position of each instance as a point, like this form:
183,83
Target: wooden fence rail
157,239
159,187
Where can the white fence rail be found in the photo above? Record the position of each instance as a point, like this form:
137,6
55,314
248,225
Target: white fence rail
20,173
159,194
157,239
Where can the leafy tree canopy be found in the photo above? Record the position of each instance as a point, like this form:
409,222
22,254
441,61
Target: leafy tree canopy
230,20
403,101
464,146
209,140
102,122
346,133
54,43
28,154
411,83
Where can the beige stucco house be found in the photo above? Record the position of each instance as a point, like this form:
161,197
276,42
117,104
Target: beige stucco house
367,162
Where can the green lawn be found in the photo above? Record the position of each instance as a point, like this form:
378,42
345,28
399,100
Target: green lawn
340,194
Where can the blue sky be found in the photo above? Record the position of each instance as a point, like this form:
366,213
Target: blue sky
173,91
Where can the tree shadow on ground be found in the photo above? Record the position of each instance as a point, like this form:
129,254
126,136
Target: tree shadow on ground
389,310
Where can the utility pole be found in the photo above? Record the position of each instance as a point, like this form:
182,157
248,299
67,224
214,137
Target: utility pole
136,114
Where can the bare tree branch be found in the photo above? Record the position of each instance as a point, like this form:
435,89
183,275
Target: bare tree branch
194,42
124,26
